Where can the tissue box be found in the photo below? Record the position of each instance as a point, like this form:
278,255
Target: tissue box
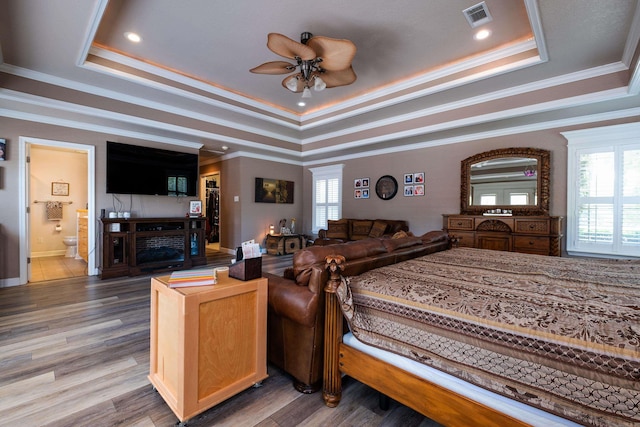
247,269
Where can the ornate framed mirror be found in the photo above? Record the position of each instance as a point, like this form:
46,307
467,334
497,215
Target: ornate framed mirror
511,179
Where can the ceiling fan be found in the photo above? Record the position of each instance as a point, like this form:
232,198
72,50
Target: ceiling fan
323,62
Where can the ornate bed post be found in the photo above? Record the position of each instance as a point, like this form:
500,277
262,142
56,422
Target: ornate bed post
332,380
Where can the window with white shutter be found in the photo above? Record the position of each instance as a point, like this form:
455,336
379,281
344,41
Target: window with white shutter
327,195
603,191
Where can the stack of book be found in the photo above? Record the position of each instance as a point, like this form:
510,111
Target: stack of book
181,279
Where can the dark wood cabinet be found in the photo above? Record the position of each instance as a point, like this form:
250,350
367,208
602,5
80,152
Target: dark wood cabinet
529,234
137,246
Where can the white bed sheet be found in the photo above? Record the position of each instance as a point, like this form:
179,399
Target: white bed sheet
518,410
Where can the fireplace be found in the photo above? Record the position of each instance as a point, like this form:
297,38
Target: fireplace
165,248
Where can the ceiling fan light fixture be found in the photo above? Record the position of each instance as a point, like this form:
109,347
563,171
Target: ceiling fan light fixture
292,84
313,55
319,84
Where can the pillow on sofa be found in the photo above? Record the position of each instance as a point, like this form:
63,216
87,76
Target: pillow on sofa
338,229
399,235
360,229
378,228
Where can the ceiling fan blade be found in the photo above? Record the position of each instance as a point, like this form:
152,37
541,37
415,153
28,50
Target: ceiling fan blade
336,54
300,83
339,78
274,67
284,46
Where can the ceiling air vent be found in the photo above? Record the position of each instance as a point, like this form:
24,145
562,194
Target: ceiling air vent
477,15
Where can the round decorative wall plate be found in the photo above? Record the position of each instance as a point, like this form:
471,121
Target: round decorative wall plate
386,187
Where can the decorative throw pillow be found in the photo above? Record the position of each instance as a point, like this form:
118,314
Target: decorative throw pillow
338,229
360,229
377,229
399,235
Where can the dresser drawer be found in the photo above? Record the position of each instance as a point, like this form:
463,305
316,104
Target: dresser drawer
465,239
460,223
531,244
532,226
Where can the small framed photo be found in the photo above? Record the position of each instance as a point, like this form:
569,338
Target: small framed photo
361,183
59,188
418,178
195,208
408,178
365,193
418,190
3,149
408,190
357,194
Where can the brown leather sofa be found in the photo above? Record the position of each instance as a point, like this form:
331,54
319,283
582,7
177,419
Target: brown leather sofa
349,229
295,317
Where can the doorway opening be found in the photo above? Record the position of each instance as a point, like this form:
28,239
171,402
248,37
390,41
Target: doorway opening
57,181
211,191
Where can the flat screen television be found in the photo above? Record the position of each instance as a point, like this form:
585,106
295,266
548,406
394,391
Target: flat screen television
132,169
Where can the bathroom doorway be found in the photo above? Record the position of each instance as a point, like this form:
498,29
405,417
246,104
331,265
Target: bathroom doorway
57,188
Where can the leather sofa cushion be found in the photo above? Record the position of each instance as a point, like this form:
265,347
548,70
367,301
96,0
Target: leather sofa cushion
378,228
402,242
303,260
360,229
434,236
293,302
338,229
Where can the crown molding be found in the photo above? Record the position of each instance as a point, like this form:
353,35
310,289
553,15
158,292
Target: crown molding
506,131
510,92
37,101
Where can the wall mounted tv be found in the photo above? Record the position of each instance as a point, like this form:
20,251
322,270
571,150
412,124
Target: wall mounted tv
132,169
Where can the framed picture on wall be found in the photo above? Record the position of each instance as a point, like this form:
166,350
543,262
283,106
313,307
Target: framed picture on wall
3,149
59,188
195,208
273,191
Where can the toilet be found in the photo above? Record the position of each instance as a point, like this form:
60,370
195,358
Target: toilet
71,242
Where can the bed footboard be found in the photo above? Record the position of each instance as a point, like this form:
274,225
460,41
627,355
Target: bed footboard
431,400
332,380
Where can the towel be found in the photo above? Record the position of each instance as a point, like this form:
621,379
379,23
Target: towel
54,211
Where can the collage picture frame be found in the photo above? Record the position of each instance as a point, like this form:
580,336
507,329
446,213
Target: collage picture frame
361,188
414,184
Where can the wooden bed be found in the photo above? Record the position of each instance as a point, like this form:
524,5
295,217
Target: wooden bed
568,280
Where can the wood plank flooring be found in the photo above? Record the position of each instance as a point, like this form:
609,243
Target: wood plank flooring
75,352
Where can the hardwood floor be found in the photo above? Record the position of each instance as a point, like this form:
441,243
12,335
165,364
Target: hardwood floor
75,352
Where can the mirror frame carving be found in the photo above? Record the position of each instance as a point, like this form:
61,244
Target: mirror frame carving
544,166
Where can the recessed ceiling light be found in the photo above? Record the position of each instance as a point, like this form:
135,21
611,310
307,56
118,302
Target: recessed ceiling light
133,37
224,148
482,34
301,103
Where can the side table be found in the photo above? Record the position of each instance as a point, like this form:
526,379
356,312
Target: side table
283,244
208,343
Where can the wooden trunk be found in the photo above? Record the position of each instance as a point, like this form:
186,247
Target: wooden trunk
208,343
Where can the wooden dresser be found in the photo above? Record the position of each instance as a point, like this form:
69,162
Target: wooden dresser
529,234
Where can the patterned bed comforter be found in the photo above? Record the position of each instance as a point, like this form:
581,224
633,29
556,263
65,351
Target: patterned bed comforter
561,334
